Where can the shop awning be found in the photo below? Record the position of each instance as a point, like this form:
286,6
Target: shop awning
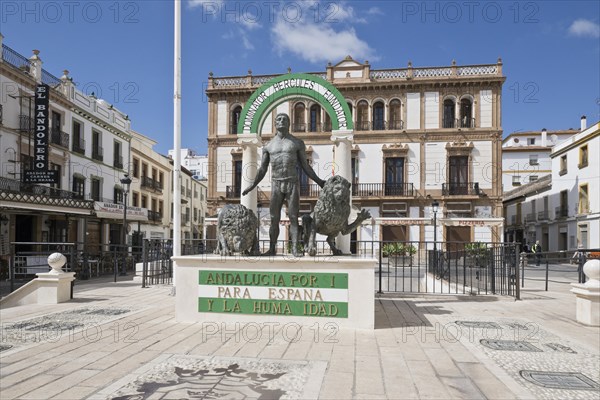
402,221
115,211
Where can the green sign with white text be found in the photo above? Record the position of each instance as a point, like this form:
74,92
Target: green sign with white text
322,294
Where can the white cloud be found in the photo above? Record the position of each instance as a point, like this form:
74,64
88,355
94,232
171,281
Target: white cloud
585,28
198,3
341,12
319,42
374,11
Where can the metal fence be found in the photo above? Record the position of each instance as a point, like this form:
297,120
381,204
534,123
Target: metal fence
87,261
543,269
403,267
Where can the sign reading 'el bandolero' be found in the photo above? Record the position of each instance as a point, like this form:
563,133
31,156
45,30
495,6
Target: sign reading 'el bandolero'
41,133
319,294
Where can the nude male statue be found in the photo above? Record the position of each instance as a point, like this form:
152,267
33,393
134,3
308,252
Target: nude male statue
284,152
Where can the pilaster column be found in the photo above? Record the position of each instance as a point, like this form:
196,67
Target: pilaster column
342,141
250,144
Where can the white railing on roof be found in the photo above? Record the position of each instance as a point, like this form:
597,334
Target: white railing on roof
431,72
477,70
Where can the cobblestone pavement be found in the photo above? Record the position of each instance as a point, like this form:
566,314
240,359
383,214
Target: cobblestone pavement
119,341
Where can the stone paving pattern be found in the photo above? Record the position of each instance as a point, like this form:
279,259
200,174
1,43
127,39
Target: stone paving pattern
416,351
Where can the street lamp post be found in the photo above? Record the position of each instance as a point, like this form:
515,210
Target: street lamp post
126,181
434,208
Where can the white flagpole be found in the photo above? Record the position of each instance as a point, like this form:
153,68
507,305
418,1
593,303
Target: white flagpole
177,136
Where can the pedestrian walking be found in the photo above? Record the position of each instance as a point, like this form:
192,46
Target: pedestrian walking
537,250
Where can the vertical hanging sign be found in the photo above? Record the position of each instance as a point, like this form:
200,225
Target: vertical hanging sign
41,133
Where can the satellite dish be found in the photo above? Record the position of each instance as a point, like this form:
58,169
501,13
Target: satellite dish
553,139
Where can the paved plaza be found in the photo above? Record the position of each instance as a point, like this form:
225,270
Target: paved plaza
119,341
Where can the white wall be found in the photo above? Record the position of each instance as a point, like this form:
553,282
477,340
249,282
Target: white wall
483,169
435,167
485,108
432,110
222,123
413,111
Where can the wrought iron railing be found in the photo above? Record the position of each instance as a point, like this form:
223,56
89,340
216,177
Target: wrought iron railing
79,145
395,124
542,215
98,153
383,189
25,123
13,186
310,190
362,125
15,59
467,123
50,79
561,212
154,216
232,192
299,127
461,188
59,138
530,218
118,162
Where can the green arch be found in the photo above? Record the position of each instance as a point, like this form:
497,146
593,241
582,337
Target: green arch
280,89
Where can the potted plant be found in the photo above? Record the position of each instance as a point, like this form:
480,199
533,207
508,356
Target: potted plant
476,254
399,253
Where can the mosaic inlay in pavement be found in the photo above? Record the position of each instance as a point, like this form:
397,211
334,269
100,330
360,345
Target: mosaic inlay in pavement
549,366
52,327
198,377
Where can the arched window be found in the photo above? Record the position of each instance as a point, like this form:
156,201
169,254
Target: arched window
362,116
378,116
449,112
315,118
395,121
350,107
299,124
235,118
466,113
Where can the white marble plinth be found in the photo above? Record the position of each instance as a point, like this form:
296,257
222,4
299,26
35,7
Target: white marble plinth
588,295
351,305
53,287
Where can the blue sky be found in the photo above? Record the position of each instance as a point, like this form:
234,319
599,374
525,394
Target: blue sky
123,50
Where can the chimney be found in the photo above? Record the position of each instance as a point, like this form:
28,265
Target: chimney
544,137
583,123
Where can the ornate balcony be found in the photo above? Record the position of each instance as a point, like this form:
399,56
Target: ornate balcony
59,138
98,153
542,215
561,212
154,216
78,145
232,192
530,218
118,162
19,192
461,189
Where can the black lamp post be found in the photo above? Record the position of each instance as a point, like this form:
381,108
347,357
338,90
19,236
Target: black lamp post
434,208
126,181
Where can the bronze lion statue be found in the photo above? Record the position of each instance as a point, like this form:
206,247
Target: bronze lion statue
236,231
330,216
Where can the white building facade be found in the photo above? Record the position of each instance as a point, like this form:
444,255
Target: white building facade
526,155
560,209
420,135
89,148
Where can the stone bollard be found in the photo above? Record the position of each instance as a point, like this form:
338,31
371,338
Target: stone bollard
588,295
55,286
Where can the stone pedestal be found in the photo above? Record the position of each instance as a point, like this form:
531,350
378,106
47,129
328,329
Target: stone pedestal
588,295
343,164
54,288
276,290
249,144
